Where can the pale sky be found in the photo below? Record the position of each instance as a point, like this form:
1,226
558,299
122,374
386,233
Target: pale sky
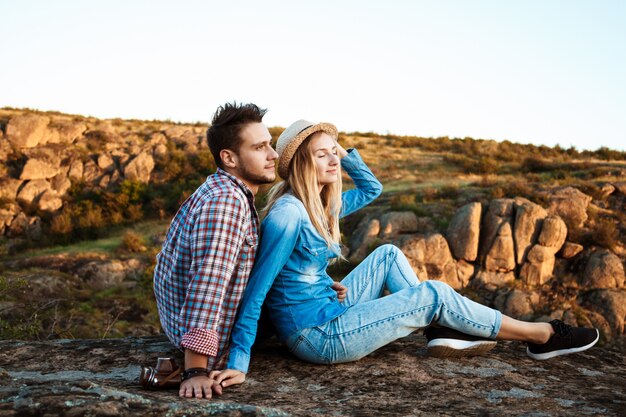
534,71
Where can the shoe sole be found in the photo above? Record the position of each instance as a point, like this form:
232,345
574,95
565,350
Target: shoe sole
454,348
548,355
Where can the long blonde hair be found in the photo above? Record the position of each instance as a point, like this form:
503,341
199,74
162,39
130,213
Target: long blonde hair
322,207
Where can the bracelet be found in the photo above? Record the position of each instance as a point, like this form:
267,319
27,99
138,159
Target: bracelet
193,372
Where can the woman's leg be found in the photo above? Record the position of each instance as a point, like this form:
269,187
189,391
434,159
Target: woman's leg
386,267
524,331
369,325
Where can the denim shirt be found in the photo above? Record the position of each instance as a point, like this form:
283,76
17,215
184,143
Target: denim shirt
290,270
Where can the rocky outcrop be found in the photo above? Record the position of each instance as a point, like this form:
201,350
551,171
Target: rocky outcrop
27,131
139,168
463,232
395,223
36,169
528,221
570,204
102,379
604,270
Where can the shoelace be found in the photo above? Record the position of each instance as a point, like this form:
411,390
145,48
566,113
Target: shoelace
561,328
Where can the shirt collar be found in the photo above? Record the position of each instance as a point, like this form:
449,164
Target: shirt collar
237,182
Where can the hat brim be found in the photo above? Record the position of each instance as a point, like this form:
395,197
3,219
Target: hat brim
294,144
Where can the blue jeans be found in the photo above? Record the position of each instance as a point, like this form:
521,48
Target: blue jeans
372,321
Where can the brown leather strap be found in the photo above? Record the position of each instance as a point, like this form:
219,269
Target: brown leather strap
170,376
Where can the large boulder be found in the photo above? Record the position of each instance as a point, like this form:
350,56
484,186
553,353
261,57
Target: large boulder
397,222
106,163
8,188
500,211
518,304
39,169
27,131
501,256
49,201
101,275
431,258
32,190
69,132
463,232
611,304
364,235
528,220
75,170
604,270
60,184
539,266
553,233
570,204
492,280
139,168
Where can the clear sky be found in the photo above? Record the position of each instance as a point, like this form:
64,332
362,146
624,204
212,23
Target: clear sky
533,71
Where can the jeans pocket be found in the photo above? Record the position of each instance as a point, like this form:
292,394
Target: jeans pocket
309,349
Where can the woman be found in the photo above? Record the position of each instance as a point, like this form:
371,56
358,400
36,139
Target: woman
301,232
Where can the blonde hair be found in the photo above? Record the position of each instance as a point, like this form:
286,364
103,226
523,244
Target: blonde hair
322,207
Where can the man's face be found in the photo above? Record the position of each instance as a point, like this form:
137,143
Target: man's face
256,157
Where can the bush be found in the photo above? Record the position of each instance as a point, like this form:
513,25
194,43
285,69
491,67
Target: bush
132,242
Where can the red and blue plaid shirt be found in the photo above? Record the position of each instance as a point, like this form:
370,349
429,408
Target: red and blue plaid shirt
204,265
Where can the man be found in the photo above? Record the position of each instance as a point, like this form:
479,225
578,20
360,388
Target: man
204,265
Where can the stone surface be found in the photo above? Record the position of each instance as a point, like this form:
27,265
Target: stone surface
109,274
611,304
553,233
139,168
37,169
571,204
32,190
528,220
539,266
500,211
27,131
397,222
570,249
365,233
604,270
75,171
105,163
501,256
398,380
49,201
9,187
463,232
492,280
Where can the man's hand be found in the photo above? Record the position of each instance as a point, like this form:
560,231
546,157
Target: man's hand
229,377
200,386
342,291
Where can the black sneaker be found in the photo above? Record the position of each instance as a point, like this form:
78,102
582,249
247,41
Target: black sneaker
566,339
448,343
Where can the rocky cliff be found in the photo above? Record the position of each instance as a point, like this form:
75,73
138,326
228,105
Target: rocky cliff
100,378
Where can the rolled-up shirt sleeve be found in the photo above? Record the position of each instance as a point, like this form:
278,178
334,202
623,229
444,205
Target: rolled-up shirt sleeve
216,239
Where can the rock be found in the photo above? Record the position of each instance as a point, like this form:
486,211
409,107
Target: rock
430,258
75,171
60,184
397,222
553,233
49,201
106,163
528,220
104,181
464,271
7,213
611,304
139,168
491,280
101,379
414,248
159,150
26,131
463,232
70,132
157,138
36,169
365,233
607,190
604,270
101,275
91,172
8,188
32,190
570,204
25,225
500,211
519,304
539,266
570,249
501,256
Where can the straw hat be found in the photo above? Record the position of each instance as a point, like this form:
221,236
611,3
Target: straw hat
289,141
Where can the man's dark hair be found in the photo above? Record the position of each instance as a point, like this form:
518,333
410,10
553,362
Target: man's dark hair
226,126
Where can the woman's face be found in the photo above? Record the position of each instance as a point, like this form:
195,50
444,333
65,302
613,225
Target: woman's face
324,149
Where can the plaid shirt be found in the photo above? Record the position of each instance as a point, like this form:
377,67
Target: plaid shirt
204,265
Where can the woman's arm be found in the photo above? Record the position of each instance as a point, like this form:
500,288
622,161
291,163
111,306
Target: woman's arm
279,233
367,186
